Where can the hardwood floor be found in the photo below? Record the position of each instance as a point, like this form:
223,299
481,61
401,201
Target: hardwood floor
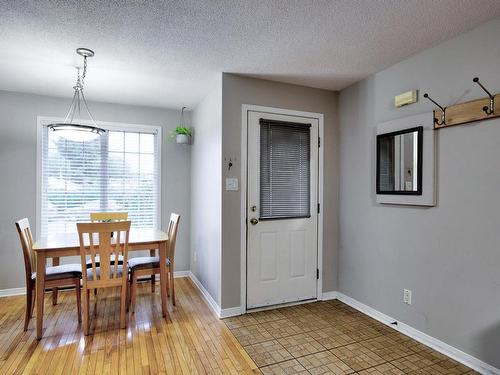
191,340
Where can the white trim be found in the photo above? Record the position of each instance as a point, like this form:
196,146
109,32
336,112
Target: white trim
281,305
182,273
211,302
12,292
44,120
232,311
243,201
440,346
326,296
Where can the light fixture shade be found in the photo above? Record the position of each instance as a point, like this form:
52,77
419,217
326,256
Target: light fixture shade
77,132
76,127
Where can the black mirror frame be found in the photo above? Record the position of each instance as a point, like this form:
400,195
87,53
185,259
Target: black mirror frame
420,135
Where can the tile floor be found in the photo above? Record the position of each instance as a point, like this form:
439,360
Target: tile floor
333,338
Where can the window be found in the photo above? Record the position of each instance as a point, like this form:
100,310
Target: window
118,171
284,170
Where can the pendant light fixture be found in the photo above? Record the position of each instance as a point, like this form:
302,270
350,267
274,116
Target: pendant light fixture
73,130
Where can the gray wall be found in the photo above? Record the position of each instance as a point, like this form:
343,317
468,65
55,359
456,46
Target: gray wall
206,215
448,255
236,91
18,140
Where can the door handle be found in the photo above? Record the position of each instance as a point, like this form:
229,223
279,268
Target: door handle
254,221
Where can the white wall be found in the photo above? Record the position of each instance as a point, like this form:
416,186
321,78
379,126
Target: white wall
448,255
206,191
18,140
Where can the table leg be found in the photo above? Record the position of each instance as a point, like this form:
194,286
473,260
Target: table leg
55,262
162,249
40,288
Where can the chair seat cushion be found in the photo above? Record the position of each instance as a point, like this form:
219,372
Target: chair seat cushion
112,260
90,275
139,263
64,271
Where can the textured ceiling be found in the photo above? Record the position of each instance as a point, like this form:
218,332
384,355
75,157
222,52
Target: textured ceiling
169,53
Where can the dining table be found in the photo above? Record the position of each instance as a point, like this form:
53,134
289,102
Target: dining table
55,246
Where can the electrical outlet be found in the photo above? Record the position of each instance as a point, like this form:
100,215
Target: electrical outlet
407,296
195,256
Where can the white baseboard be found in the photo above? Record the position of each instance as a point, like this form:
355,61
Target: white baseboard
211,302
440,346
12,292
328,296
221,313
182,273
232,311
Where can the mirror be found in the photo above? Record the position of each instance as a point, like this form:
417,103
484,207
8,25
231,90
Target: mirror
399,162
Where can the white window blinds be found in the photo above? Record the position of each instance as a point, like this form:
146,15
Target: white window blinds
117,171
284,170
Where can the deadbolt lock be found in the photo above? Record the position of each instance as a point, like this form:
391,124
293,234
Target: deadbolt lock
253,208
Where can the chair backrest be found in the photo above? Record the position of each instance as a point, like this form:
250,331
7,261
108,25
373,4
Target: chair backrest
26,237
108,216
173,225
95,239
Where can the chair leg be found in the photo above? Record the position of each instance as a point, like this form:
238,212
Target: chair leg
152,253
133,291
55,262
78,300
173,285
86,312
168,285
29,307
123,305
153,280
95,292
33,300
54,296
128,294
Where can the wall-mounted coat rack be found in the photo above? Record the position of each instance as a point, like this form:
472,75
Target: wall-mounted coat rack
463,113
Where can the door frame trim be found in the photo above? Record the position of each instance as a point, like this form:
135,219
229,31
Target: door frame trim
245,108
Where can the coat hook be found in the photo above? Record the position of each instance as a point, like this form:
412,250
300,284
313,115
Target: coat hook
491,109
443,110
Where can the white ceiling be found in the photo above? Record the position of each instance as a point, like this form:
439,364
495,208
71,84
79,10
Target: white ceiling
169,53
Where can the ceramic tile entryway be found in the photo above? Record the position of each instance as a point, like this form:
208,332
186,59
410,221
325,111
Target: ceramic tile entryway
333,338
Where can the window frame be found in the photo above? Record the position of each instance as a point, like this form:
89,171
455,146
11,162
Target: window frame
118,126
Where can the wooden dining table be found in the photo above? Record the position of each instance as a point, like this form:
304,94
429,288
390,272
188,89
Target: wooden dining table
61,245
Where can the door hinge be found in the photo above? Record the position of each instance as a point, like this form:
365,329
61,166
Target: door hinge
317,273
319,141
319,207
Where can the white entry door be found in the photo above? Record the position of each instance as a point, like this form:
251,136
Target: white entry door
282,236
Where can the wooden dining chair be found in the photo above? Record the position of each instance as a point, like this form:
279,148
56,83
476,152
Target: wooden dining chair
107,217
56,276
101,217
96,241
150,266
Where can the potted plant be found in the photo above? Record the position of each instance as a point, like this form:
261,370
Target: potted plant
182,134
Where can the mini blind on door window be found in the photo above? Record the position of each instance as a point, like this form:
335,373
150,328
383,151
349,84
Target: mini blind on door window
284,169
117,171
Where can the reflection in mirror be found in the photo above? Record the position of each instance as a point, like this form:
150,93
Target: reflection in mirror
399,162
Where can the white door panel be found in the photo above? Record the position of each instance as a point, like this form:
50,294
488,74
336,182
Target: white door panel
281,247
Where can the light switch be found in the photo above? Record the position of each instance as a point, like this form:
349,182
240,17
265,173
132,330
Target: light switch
231,184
